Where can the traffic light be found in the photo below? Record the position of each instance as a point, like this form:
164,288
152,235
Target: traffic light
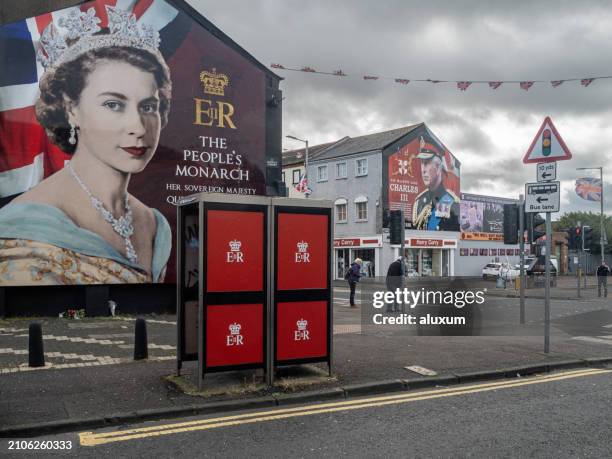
395,227
511,224
571,238
532,221
587,237
546,142
385,218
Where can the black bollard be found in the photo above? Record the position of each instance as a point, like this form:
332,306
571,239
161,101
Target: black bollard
141,349
36,354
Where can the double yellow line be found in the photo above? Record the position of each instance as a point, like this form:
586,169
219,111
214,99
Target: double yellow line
95,439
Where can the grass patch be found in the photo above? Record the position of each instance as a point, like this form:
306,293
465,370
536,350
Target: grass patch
238,384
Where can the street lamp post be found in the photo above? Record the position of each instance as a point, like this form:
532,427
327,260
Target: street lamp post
305,156
602,234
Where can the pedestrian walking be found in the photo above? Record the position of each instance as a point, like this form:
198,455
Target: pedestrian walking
603,271
394,282
353,275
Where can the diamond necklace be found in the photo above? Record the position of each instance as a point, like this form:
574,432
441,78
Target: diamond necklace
122,225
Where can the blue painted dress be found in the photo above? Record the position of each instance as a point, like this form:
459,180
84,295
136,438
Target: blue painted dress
41,245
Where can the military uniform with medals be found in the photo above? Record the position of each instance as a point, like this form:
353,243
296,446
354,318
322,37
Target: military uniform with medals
435,210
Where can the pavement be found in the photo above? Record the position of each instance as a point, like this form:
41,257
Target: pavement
92,381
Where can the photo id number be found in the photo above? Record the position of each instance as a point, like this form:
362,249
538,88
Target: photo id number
39,445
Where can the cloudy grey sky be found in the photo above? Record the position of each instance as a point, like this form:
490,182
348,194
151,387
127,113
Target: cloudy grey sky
488,130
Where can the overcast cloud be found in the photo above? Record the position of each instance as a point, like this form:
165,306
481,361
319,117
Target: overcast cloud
489,131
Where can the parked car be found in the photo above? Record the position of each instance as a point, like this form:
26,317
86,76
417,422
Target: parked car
495,270
491,270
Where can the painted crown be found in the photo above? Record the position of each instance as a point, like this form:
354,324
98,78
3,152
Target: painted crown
76,34
235,245
214,83
302,246
235,328
302,324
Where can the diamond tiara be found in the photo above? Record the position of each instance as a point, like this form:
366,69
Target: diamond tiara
54,48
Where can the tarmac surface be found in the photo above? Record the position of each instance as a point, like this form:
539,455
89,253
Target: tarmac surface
91,379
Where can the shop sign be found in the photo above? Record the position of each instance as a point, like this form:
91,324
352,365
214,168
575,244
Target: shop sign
347,242
420,242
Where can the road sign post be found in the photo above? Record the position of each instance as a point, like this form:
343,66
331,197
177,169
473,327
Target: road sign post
547,289
544,196
522,258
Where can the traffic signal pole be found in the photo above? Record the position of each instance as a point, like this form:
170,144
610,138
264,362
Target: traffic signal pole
578,273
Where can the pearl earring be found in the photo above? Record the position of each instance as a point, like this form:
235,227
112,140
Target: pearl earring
72,139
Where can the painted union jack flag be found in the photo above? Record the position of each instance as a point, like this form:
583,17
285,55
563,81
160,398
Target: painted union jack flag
302,185
26,154
589,188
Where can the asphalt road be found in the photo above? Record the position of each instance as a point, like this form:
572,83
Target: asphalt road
558,415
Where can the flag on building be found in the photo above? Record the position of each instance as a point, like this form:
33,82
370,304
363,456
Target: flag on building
302,185
589,188
27,156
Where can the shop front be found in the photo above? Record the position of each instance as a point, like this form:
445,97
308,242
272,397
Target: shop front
348,248
428,256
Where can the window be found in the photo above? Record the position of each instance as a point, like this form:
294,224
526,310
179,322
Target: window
322,174
283,177
296,176
361,208
361,167
341,170
341,213
341,210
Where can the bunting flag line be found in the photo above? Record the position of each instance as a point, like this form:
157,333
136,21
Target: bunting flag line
462,85
586,81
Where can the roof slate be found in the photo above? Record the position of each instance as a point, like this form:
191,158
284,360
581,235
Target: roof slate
364,143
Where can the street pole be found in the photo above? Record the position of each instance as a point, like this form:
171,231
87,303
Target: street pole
402,246
577,257
306,167
601,216
547,289
522,256
586,266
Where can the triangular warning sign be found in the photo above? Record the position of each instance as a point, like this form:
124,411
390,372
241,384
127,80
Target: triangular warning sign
548,146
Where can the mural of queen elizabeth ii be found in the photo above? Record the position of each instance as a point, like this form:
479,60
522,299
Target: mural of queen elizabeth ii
104,98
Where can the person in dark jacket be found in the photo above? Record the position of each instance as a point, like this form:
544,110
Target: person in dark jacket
394,282
353,276
603,271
